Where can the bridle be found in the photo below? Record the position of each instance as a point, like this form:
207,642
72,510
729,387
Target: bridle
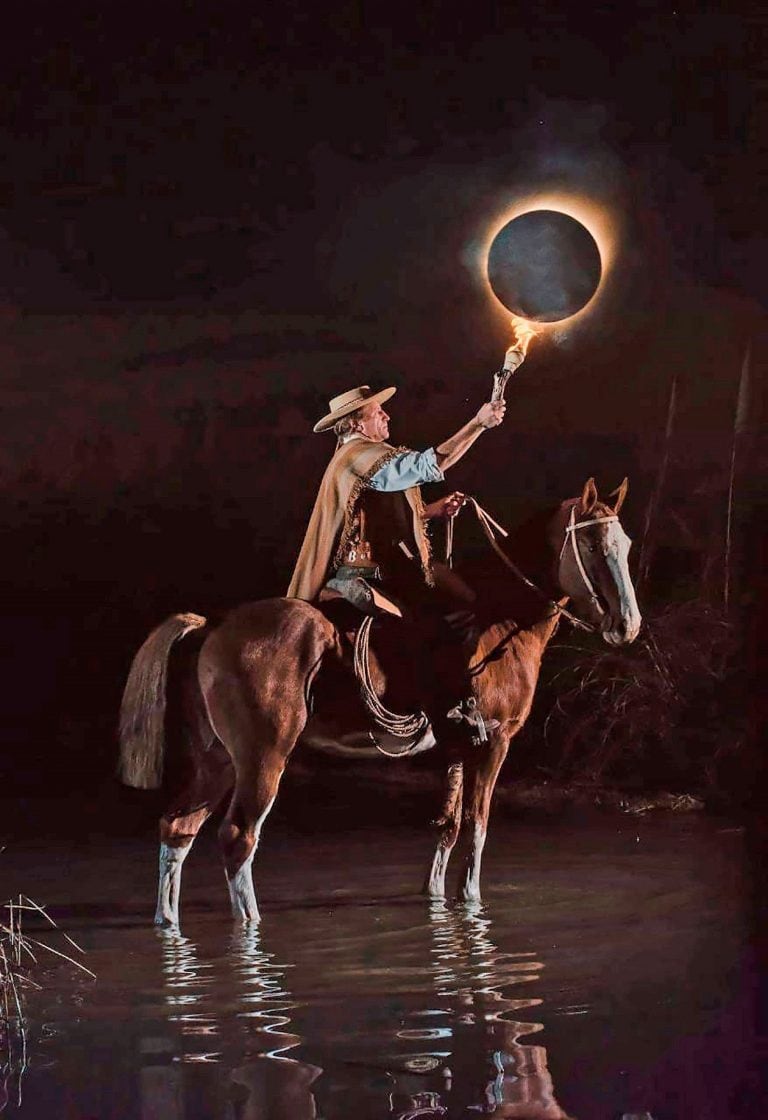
570,534
488,525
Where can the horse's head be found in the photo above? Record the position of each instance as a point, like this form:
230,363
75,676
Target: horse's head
592,567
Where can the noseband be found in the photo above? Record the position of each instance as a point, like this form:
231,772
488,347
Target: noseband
570,534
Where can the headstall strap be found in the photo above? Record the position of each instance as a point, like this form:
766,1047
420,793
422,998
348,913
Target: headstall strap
592,521
570,533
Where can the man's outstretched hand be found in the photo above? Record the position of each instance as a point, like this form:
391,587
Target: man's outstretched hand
452,449
491,414
446,507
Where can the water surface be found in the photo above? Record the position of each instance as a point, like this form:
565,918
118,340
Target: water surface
610,972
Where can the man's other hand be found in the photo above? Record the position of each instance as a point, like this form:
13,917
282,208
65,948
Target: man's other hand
491,414
446,507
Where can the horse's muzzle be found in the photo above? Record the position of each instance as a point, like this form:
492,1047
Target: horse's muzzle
621,630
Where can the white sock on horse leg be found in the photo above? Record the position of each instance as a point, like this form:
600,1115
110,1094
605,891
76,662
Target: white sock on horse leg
471,889
436,880
169,883
241,890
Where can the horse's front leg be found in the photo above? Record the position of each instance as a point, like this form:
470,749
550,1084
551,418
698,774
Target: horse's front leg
449,823
477,809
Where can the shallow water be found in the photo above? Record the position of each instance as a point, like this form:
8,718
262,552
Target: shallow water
610,972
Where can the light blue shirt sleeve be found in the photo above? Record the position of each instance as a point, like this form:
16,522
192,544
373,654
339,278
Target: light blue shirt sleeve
409,468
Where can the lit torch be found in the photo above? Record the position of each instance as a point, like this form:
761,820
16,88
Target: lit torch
522,332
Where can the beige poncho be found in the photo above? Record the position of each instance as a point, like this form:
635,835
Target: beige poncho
333,516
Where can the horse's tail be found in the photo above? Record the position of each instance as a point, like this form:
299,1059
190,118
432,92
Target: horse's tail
142,711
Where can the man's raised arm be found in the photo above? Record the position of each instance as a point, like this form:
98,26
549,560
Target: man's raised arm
414,468
452,449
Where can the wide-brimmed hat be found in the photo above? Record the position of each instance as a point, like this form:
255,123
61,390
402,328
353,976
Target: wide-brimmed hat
348,402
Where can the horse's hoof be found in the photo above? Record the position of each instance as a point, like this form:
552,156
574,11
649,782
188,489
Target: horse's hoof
434,895
161,922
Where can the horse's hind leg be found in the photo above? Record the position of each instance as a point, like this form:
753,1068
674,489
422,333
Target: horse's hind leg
198,775
255,792
178,830
254,674
260,736
176,839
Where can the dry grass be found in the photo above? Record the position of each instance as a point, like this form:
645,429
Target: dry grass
19,953
662,709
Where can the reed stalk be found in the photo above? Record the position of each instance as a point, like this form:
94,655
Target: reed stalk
654,502
15,954
740,418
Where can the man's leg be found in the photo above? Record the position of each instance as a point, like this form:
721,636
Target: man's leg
450,638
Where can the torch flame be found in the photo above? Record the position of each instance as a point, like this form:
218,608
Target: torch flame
522,333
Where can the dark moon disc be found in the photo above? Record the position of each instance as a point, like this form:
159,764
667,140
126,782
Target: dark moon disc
544,266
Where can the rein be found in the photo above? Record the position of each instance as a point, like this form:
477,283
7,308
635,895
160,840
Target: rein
488,525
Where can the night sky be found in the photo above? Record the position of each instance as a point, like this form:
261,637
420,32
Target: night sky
173,155
213,218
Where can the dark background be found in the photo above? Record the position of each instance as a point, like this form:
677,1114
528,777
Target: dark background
213,218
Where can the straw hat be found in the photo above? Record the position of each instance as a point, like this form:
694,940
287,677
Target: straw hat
348,402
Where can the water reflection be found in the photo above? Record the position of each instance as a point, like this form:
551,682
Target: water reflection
231,1011
263,998
460,1034
185,979
476,1025
411,1011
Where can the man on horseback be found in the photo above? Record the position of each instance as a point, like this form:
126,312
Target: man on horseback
366,541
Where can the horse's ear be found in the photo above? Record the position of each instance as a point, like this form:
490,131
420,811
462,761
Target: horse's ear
620,494
588,496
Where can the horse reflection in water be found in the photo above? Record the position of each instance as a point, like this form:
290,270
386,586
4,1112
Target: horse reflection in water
270,1085
469,974
461,1050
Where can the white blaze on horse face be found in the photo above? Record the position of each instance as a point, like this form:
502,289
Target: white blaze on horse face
616,548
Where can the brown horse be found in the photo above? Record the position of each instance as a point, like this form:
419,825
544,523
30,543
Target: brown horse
240,693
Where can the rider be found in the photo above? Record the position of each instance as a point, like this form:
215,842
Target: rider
367,531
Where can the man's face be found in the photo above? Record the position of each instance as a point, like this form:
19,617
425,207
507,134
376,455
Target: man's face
373,422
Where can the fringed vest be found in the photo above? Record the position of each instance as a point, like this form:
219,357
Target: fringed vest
335,518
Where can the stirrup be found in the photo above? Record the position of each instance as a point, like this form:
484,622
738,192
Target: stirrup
468,712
